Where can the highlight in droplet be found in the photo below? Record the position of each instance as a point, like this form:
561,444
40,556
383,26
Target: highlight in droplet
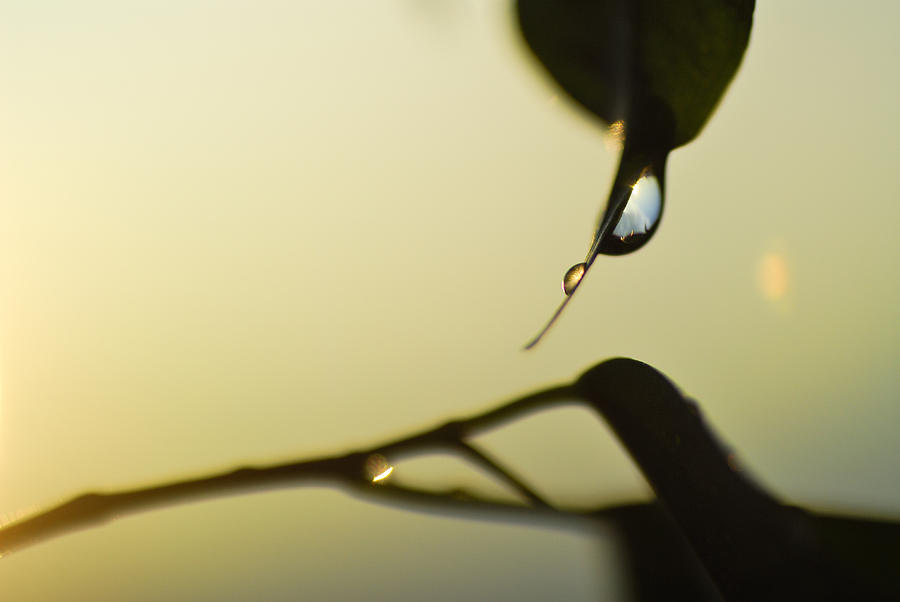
378,468
639,219
383,475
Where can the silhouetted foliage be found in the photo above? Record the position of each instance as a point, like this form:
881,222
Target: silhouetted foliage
660,67
713,532
654,71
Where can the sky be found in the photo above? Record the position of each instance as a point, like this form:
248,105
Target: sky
236,232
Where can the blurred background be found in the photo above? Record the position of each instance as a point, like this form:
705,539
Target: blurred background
236,232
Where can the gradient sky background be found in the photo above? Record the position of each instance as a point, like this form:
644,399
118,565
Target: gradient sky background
239,232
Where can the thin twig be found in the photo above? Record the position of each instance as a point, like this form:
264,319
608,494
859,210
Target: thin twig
348,471
482,459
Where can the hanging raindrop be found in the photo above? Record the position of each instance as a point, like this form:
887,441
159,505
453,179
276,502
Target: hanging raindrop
639,218
573,277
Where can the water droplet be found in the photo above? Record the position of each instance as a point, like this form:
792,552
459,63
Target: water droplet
632,215
378,468
639,219
573,277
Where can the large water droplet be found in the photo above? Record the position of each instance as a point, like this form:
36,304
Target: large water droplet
573,277
639,219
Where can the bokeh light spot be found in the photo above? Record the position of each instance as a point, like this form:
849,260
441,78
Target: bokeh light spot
773,276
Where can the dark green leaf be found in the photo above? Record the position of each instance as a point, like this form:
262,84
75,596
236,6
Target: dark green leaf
653,70
660,66
753,547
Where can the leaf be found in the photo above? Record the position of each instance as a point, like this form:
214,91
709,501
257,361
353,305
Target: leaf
753,547
657,65
653,70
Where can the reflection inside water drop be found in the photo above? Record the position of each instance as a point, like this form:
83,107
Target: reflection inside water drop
573,277
638,220
378,468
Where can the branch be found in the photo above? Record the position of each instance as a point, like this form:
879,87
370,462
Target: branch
482,459
749,544
347,471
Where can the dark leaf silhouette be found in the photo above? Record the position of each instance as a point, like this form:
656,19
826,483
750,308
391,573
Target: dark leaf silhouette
654,70
753,547
659,66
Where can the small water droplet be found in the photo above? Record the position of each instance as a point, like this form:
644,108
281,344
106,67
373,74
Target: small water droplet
631,217
639,219
378,468
573,277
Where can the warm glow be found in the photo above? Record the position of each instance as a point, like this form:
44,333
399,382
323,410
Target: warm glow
617,129
383,475
616,134
298,230
378,468
773,276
